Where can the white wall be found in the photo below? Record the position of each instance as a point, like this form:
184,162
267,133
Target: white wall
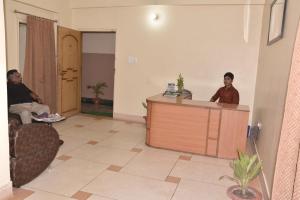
102,43
201,42
54,9
4,146
271,86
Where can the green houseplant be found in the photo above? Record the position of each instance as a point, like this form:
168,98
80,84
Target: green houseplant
246,168
97,90
180,83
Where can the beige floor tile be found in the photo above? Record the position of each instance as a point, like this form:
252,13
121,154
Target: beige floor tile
70,143
39,195
87,133
126,187
67,178
62,126
164,152
133,129
102,154
72,121
96,197
136,136
210,160
194,190
106,125
79,126
80,120
121,142
151,164
113,131
201,172
55,163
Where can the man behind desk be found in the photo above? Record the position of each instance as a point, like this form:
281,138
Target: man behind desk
227,94
21,100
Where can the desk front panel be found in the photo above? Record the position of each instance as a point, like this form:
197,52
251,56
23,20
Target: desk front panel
179,128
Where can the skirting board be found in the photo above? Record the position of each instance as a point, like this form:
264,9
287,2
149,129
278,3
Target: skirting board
6,191
129,118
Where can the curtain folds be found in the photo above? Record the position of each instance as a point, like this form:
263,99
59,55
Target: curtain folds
40,64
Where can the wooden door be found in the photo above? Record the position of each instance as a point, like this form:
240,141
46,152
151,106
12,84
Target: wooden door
69,71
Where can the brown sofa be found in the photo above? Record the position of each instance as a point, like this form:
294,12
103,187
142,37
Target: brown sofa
32,148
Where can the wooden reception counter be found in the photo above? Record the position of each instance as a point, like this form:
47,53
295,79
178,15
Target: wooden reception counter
199,127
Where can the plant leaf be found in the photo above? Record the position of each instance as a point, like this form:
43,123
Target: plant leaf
230,178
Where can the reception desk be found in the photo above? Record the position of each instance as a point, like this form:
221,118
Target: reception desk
198,127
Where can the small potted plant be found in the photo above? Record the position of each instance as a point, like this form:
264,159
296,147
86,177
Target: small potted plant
98,90
180,84
246,168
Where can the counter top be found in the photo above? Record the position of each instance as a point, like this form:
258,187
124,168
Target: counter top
196,103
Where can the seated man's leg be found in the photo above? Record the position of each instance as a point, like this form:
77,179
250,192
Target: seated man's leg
23,110
40,108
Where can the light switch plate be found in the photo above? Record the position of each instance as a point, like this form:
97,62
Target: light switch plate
132,60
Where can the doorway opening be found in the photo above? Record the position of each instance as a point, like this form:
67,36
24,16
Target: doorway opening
98,71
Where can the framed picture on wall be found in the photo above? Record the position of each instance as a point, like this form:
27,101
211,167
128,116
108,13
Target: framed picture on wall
277,18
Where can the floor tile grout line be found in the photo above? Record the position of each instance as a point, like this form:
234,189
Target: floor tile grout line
136,154
144,177
110,198
173,166
206,182
93,179
78,147
177,185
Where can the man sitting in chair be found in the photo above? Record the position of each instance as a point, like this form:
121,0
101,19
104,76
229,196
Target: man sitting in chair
23,101
227,94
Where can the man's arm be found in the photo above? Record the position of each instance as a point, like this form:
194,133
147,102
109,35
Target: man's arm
216,96
236,97
36,97
33,95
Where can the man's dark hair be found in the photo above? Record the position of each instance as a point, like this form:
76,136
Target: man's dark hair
11,72
230,75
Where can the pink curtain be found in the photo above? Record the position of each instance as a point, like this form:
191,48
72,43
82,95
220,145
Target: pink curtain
40,65
287,172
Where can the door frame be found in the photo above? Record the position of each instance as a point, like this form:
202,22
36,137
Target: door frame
102,31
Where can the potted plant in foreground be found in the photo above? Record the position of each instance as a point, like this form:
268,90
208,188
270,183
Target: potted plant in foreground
246,168
98,90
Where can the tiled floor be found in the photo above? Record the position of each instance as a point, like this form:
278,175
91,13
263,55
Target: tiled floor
105,159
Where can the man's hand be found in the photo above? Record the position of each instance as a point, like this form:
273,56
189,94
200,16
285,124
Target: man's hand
39,100
36,98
